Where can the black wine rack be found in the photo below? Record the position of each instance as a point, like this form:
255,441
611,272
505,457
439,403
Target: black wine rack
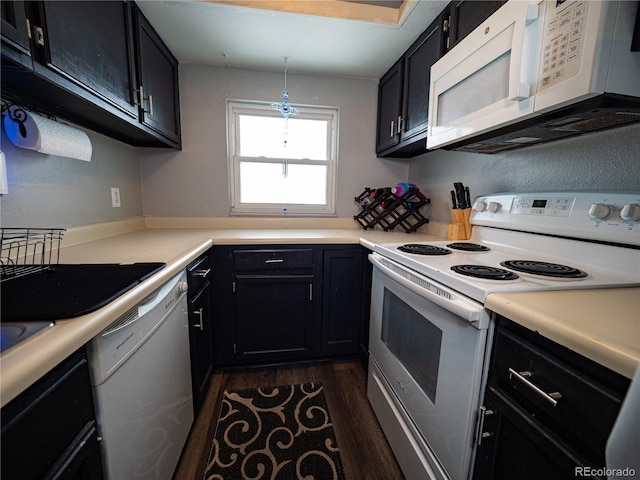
381,207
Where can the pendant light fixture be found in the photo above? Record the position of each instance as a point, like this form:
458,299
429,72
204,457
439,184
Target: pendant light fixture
287,110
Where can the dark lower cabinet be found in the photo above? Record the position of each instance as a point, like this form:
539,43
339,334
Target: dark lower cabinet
547,411
342,300
49,431
199,273
278,303
275,316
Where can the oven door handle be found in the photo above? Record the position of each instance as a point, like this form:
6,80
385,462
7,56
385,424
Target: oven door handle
435,293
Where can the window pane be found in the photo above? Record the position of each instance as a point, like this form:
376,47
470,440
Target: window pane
264,137
265,183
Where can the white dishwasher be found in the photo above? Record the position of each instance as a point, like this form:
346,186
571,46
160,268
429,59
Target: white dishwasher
140,372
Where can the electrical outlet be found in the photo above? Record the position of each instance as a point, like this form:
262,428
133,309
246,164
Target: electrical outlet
115,197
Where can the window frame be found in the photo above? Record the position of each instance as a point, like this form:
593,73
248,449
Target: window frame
235,108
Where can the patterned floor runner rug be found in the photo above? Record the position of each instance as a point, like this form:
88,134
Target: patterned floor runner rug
275,433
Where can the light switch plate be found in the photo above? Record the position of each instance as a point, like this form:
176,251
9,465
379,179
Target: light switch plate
115,197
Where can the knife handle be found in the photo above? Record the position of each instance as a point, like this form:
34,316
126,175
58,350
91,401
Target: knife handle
453,199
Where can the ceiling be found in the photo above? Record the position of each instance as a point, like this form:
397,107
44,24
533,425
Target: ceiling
350,38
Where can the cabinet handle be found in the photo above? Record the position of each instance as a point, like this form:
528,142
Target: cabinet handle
400,124
40,36
484,412
523,377
202,273
393,125
274,260
201,324
141,100
311,292
29,34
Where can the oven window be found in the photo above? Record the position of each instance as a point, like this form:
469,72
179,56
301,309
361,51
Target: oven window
413,340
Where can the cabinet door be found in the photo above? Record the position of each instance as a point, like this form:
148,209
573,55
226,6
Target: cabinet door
465,16
342,299
389,108
418,60
90,44
274,316
515,446
157,82
15,30
201,343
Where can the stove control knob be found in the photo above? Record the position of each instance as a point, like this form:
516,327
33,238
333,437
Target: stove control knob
630,212
183,287
479,206
599,211
494,207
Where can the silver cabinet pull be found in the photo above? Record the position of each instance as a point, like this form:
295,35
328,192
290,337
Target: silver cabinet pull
40,36
400,124
523,377
480,433
141,99
202,273
200,315
274,260
393,128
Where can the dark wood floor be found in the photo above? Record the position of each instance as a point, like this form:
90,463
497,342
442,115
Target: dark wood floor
364,450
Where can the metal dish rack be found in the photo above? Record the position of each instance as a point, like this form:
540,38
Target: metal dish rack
28,250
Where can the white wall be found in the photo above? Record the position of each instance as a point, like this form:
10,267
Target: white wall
194,181
606,160
49,191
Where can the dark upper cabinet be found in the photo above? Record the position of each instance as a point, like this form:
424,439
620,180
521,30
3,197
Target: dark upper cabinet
15,33
102,62
158,82
97,64
403,98
403,92
389,108
464,16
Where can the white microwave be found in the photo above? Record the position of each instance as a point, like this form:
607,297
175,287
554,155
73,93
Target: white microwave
537,70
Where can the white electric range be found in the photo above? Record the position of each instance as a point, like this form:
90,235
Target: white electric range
429,329
536,241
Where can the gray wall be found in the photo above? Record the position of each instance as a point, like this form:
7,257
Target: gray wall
194,181
49,191
606,160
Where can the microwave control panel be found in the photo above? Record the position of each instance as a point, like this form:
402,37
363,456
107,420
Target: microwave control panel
562,42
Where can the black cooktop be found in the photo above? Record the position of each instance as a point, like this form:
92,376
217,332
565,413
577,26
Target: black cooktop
68,291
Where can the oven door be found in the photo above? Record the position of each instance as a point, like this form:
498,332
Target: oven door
428,343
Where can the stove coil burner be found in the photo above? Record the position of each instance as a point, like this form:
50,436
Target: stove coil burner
544,269
423,249
468,247
484,272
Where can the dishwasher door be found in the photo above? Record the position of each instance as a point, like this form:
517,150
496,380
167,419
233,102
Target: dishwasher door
140,371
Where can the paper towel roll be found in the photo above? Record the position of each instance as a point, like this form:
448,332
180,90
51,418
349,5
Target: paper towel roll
4,186
44,135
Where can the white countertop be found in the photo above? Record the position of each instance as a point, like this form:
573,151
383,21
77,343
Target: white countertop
177,247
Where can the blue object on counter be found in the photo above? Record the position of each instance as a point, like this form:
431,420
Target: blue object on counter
401,189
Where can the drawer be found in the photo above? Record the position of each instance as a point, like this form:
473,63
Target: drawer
584,410
279,259
198,272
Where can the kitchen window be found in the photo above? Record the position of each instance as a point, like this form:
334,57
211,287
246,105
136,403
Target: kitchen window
281,166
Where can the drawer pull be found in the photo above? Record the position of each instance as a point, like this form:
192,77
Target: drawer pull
200,316
202,273
523,377
274,260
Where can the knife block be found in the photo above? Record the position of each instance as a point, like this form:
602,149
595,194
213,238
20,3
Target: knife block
459,228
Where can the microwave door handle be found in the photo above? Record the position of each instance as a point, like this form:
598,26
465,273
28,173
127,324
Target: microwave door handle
519,90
